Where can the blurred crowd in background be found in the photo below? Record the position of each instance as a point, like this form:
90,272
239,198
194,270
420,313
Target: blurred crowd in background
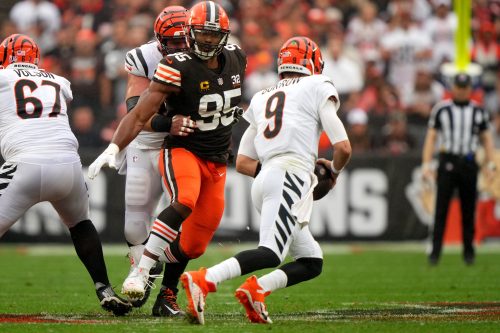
383,56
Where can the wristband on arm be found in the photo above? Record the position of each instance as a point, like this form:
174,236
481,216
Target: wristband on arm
335,171
257,169
161,123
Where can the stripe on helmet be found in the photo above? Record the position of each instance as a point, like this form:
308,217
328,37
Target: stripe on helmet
216,11
307,49
207,11
13,43
170,21
212,12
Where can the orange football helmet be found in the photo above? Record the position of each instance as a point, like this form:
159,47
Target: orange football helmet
18,48
170,30
207,19
300,55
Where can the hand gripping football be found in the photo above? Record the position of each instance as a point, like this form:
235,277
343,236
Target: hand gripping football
325,181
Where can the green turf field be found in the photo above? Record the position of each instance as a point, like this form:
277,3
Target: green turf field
363,288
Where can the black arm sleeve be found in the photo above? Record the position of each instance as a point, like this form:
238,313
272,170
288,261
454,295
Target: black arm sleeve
161,123
131,102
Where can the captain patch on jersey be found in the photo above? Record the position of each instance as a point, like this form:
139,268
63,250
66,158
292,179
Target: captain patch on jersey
208,96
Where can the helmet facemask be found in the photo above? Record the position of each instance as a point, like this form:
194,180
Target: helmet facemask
203,50
169,45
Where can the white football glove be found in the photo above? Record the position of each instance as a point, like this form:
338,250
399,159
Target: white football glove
108,157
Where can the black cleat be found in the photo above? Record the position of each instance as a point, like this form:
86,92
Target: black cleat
433,260
110,301
166,304
469,259
153,273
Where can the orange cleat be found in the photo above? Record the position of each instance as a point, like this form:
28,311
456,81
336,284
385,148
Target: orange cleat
197,289
251,295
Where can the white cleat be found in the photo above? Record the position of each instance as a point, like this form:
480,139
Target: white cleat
134,286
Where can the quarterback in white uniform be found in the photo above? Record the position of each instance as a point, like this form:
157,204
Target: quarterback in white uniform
41,158
280,149
143,188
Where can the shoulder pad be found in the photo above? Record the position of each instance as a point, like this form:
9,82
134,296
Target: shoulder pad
233,50
236,49
168,71
142,60
3,73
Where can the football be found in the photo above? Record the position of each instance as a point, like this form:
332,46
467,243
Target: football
325,181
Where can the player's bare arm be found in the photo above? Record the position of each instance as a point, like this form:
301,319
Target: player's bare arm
132,124
342,152
149,103
176,125
337,135
136,85
247,165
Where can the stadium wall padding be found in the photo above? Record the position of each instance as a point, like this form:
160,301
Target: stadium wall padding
376,198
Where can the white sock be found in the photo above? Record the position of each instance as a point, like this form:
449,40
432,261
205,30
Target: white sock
146,263
136,252
161,236
275,280
226,270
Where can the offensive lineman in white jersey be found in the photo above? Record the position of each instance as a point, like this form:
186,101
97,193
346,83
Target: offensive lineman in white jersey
279,149
143,187
41,158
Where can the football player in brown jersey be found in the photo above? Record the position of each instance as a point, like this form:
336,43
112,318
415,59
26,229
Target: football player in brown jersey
204,84
143,188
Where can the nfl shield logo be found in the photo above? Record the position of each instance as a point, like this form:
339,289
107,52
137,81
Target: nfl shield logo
220,81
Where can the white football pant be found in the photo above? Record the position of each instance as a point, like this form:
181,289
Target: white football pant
274,191
57,180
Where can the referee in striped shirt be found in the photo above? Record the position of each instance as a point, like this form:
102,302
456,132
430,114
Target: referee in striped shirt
461,126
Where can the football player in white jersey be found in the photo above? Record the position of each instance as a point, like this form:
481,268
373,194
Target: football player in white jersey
143,187
41,158
280,149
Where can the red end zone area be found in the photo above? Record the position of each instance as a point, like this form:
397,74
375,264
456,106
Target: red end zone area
487,225
391,311
35,319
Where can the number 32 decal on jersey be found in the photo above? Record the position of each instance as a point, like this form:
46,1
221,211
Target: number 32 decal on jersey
217,110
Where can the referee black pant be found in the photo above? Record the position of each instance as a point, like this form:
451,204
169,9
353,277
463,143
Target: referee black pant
455,172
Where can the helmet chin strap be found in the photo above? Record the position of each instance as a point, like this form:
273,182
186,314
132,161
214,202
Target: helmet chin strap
205,55
200,54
